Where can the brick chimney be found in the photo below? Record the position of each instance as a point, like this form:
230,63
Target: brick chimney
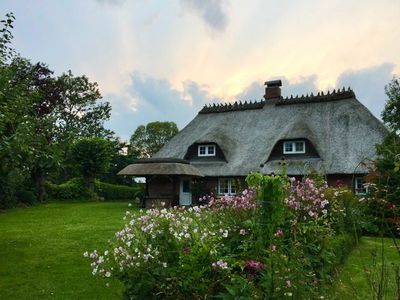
272,89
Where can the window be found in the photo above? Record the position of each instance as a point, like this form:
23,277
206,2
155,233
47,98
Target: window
359,186
294,147
206,150
186,186
226,186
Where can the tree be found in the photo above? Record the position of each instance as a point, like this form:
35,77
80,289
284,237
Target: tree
40,116
92,156
387,175
391,113
147,140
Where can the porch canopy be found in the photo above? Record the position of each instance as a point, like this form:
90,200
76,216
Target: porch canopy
160,166
168,180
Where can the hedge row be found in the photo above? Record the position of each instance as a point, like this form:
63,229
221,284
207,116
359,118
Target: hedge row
117,192
74,189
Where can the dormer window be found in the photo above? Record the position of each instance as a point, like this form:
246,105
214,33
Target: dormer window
294,147
206,150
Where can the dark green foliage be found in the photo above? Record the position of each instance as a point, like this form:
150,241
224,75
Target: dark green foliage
109,191
26,197
147,140
119,160
92,156
391,113
73,189
385,200
334,253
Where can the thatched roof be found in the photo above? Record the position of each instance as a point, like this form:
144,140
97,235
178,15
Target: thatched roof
343,131
160,166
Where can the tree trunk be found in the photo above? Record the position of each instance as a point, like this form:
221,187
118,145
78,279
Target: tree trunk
89,183
40,183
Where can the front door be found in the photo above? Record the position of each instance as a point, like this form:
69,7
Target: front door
185,192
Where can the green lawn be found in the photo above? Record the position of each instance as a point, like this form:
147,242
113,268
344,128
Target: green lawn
41,254
364,262
41,250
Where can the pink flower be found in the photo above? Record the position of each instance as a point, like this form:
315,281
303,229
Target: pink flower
220,264
273,248
254,266
279,232
242,232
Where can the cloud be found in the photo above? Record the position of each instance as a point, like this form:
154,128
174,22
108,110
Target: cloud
368,84
256,90
154,99
211,11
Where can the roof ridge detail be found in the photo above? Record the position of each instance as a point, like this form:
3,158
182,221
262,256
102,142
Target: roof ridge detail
334,95
339,94
236,106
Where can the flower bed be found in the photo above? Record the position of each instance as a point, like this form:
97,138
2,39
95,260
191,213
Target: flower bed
279,238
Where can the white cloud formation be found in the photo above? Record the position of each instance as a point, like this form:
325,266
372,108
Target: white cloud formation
155,99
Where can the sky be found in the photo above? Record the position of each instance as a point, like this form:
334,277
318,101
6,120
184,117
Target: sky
158,60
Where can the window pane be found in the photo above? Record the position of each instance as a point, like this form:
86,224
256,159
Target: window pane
223,186
202,150
359,186
233,186
211,150
299,146
185,186
288,146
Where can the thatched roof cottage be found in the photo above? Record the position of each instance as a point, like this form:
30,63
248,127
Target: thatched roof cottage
330,133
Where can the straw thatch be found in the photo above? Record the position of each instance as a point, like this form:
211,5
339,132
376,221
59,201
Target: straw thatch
343,131
165,166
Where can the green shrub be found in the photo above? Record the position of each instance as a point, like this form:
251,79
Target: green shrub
75,189
335,251
70,190
26,197
117,192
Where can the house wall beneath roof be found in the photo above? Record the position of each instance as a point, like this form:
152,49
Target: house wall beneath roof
162,190
165,189
336,180
209,185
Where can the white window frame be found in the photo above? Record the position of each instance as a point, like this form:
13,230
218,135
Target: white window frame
363,190
230,184
293,144
207,152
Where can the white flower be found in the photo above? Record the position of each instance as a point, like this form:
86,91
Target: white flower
86,254
108,274
129,204
164,264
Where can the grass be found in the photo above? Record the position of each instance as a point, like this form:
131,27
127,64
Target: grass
361,268
41,250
